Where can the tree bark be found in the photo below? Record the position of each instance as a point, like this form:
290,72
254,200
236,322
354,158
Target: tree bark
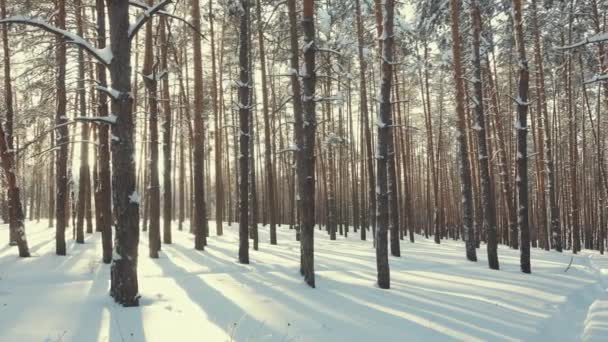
487,196
200,213
465,168
306,151
385,125
522,135
62,138
124,285
244,105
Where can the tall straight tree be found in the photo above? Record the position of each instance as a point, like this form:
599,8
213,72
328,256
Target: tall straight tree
296,90
306,151
103,194
268,165
167,144
465,167
200,214
369,162
556,240
244,105
85,172
61,135
521,126
7,160
150,76
385,125
219,184
487,196
8,98
124,285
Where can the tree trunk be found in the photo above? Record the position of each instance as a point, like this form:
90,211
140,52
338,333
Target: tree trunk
385,126
150,75
269,164
7,157
465,169
522,135
244,105
487,196
124,285
167,155
219,185
365,115
200,214
306,151
85,173
62,138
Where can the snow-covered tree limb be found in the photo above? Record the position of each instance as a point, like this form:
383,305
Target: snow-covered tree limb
104,56
145,16
597,78
598,38
142,5
111,119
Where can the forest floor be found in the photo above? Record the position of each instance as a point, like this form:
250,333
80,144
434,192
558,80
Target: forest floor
435,294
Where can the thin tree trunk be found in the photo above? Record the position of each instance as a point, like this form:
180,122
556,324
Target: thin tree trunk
244,105
62,139
167,143
200,214
385,126
487,196
306,150
522,135
465,169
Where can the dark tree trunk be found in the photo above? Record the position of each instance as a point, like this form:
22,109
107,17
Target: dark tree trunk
385,126
124,285
103,199
522,137
244,136
487,196
62,138
368,135
8,96
297,112
150,75
465,168
269,165
219,184
200,213
306,160
167,155
85,174
7,157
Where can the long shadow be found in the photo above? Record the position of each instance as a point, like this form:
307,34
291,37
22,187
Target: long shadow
92,315
219,309
456,299
350,319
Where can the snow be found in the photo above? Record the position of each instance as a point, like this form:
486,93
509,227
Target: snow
102,55
435,295
134,197
324,20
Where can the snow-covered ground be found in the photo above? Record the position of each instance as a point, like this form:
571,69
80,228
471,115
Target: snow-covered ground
436,294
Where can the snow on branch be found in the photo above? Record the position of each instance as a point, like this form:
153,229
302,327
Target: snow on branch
110,119
113,93
597,78
104,55
145,16
598,38
142,5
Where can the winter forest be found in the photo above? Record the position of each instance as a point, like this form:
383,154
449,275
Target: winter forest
301,170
